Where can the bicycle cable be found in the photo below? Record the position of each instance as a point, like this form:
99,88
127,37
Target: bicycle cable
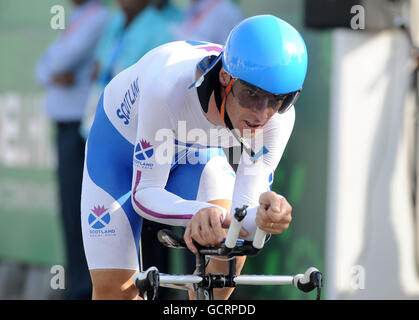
221,259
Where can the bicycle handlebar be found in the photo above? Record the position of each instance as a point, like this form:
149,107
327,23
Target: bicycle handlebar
309,281
235,226
230,247
149,280
259,239
234,230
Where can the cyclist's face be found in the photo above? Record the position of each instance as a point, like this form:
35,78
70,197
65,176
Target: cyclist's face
249,109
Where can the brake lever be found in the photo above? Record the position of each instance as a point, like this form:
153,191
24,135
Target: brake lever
148,283
310,280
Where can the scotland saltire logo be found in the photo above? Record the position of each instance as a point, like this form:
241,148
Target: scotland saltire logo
143,150
99,219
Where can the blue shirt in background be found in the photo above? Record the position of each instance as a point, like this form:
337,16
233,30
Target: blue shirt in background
72,51
121,47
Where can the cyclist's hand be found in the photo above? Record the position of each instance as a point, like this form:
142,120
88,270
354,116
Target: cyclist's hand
205,228
274,213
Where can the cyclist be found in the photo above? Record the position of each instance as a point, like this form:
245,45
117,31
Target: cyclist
155,147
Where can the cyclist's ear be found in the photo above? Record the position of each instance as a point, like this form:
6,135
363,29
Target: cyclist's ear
224,77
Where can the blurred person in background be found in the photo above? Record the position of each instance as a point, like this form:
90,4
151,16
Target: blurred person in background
170,11
131,32
134,29
208,20
65,73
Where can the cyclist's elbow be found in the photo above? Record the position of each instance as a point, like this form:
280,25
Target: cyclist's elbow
144,202
136,201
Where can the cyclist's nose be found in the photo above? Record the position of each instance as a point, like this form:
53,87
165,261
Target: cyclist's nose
261,110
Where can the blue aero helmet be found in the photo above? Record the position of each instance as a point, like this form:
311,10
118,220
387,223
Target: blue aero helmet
267,52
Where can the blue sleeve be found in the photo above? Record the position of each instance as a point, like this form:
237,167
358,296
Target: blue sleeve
43,74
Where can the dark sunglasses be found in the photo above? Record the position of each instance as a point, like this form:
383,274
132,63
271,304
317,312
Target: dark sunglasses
250,96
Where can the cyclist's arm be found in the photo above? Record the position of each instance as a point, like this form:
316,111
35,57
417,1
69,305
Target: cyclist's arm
252,179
